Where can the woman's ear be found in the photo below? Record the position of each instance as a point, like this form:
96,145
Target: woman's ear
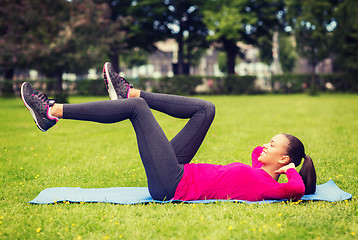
284,160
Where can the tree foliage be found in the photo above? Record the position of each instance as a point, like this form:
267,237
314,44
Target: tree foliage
227,21
287,52
249,21
52,36
136,57
73,36
185,20
16,20
346,36
270,18
17,39
72,41
310,20
134,24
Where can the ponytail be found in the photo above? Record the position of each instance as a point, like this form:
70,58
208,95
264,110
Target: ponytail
296,151
308,174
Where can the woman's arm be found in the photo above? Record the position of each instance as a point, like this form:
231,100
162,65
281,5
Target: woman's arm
294,189
284,169
255,155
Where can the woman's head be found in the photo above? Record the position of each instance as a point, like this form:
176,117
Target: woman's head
284,149
275,152
295,149
296,152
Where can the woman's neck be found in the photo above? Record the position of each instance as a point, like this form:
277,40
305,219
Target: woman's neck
271,172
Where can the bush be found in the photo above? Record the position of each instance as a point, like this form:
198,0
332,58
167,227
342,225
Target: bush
185,85
293,83
91,87
290,82
239,84
342,82
233,84
6,88
180,85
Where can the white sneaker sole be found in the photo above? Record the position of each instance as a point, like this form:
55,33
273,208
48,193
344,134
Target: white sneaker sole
30,109
112,93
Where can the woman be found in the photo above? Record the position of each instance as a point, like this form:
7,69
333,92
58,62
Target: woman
167,164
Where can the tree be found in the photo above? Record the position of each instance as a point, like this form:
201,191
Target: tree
345,36
137,57
140,24
155,20
270,18
134,24
52,36
249,21
68,38
116,33
287,52
18,34
185,20
309,20
195,45
227,22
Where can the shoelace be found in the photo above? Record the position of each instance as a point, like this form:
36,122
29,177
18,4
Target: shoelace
43,98
128,85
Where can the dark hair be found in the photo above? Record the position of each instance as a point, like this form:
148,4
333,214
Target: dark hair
296,151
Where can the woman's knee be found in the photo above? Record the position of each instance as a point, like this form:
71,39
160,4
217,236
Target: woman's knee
138,107
210,109
138,103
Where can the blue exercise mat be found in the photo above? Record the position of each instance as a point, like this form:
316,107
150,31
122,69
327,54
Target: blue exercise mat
328,191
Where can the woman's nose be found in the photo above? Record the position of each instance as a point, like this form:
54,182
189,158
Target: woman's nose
265,145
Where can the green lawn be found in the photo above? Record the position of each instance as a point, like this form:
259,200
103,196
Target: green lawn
84,154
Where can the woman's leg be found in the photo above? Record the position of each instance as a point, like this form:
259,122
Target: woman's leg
201,113
158,157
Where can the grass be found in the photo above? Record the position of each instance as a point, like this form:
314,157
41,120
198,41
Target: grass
84,154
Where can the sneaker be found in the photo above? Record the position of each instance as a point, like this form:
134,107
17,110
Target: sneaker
117,86
39,105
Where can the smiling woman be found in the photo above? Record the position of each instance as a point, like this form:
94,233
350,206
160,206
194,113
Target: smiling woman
170,174
285,151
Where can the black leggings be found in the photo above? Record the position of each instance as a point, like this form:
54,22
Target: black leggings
163,160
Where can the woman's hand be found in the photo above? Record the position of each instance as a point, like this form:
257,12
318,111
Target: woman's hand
285,168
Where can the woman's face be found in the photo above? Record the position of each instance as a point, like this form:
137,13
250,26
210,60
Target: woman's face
275,150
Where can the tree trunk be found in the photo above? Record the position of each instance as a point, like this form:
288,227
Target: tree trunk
59,88
180,54
113,53
60,95
188,57
313,87
231,51
115,62
7,88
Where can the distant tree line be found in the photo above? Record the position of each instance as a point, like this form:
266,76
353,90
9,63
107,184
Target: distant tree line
60,36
